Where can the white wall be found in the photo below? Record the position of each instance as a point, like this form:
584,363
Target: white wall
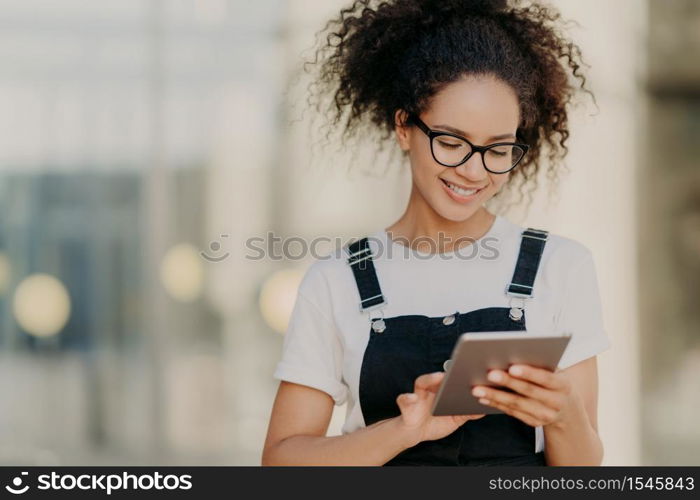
596,202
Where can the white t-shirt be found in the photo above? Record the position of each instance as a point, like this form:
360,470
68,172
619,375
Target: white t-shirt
327,334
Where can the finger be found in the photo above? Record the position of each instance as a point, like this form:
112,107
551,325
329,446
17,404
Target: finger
504,397
520,403
533,391
467,418
540,376
514,412
509,399
476,417
428,382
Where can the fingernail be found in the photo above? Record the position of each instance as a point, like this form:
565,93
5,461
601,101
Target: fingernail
495,376
483,401
516,370
478,392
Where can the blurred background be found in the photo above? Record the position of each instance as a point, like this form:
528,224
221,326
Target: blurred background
143,142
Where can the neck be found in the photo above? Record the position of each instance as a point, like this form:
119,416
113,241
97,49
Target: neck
424,229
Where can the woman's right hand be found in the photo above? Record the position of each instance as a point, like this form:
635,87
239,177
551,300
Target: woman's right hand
416,419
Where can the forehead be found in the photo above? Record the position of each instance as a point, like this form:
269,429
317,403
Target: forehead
481,106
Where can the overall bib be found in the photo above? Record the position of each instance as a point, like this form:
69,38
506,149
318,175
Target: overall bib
401,348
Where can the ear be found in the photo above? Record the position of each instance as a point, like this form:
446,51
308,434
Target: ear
402,129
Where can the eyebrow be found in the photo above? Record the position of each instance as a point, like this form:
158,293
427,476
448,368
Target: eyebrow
459,132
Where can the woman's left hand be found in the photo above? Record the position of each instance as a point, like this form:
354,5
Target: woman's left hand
541,397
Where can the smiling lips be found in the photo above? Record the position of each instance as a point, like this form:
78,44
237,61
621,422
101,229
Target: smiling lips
460,193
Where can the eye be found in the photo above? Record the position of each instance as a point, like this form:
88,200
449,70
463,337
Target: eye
500,151
447,144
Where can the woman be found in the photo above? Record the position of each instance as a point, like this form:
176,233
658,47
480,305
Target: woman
474,92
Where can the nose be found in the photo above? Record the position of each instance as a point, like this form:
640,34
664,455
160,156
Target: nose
473,168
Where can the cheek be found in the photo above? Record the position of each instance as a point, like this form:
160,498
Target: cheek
498,181
424,168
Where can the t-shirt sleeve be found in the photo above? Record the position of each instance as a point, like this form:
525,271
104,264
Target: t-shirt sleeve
581,314
312,354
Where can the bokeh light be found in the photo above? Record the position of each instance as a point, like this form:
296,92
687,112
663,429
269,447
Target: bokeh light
181,273
277,298
41,305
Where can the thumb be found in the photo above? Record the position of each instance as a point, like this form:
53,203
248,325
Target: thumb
406,400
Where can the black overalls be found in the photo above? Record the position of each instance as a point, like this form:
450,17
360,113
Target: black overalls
402,348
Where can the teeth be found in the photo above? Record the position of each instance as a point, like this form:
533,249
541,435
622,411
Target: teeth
459,190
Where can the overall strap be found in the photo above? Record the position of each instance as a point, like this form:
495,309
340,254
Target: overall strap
360,261
531,248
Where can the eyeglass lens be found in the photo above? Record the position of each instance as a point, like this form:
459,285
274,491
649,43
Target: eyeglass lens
450,151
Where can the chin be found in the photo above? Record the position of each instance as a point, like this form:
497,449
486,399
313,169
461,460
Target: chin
456,214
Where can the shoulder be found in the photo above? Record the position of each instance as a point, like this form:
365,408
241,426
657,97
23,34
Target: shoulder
319,275
329,272
568,250
558,248
568,265
564,260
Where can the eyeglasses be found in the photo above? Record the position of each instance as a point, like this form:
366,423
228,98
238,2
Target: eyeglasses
451,150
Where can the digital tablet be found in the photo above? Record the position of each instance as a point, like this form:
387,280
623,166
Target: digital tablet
475,354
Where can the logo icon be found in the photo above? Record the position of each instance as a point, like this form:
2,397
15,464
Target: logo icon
17,482
215,246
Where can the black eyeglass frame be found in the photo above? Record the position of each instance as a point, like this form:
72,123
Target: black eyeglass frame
431,133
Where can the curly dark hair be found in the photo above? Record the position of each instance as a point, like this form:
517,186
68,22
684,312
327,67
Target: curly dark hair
397,54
